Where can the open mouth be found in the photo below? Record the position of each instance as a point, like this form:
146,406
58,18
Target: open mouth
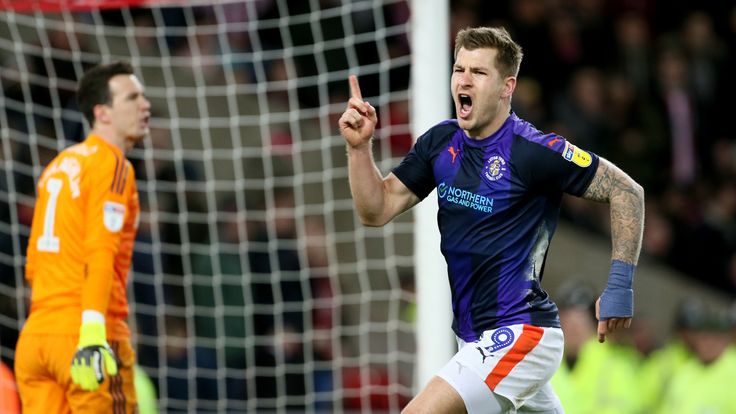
466,105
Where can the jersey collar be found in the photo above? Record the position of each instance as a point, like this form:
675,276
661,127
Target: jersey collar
502,132
98,140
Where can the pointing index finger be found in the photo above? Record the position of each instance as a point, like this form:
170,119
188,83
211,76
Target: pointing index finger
355,87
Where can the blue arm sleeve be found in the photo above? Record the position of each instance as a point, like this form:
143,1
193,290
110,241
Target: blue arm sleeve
617,300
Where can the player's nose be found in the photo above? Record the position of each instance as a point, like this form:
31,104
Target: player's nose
464,78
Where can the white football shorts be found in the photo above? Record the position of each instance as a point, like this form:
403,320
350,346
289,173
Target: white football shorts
515,362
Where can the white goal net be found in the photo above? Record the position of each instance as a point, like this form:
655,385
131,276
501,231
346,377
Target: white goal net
254,287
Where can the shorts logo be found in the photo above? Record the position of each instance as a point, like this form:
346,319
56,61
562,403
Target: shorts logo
576,155
494,168
113,216
501,338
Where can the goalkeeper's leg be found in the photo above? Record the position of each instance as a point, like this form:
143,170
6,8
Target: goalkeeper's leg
45,386
39,391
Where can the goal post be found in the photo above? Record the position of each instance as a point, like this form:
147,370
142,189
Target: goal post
430,104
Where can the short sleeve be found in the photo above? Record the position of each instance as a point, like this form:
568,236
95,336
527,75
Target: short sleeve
553,164
415,170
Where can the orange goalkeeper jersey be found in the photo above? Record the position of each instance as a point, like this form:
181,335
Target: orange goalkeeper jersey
81,243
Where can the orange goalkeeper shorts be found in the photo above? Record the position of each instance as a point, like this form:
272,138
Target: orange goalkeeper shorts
42,364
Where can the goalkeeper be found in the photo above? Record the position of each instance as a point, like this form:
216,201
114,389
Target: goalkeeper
499,185
74,353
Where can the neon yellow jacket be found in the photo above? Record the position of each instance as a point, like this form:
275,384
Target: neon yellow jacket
697,388
603,380
145,392
659,369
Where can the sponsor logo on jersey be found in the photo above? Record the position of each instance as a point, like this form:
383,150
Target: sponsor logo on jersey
576,155
465,198
113,216
494,168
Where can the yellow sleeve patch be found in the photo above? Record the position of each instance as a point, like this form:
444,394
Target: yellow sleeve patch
576,155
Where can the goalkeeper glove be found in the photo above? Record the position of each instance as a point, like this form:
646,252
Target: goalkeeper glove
92,356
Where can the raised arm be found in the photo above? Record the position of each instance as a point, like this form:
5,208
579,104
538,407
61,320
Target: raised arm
377,199
615,307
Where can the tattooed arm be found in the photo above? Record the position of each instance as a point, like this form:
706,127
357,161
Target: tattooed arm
626,197
615,307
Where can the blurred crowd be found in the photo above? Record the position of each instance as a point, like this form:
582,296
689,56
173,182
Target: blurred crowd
648,85
691,372
234,300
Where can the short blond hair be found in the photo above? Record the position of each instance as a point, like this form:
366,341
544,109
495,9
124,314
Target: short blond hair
509,54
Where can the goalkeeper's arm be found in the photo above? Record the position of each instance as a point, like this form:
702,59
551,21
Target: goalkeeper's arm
94,356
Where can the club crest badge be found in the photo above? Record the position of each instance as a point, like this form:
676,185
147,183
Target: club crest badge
495,168
113,216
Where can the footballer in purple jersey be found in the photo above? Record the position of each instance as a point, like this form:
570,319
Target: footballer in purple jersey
499,198
499,184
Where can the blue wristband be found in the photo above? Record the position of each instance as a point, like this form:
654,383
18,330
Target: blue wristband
617,300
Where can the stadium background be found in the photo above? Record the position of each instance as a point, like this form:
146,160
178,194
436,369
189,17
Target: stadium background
254,287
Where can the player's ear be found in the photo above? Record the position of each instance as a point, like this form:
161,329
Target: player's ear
509,85
102,113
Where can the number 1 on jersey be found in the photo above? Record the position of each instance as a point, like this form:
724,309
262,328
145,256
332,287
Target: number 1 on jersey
47,242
